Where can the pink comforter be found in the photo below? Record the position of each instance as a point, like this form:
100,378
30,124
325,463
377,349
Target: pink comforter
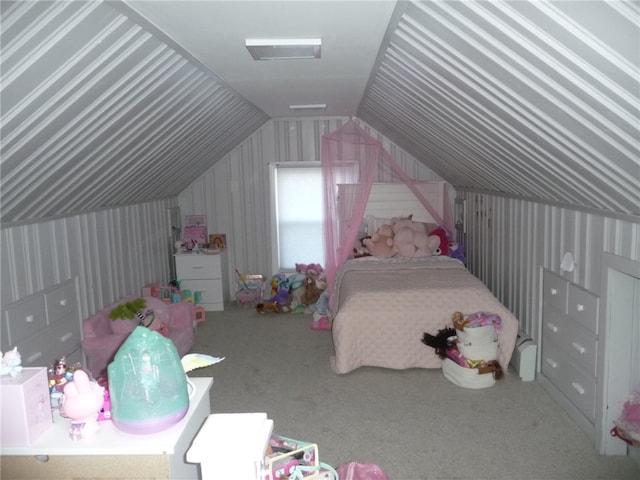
384,306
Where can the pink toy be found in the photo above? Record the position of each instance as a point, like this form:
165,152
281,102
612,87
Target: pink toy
81,402
444,241
105,411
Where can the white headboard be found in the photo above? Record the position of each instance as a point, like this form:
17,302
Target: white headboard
389,200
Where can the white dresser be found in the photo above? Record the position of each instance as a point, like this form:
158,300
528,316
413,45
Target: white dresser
44,326
205,273
570,348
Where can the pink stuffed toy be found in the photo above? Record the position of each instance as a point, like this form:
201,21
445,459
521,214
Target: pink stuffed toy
443,244
410,239
381,243
81,402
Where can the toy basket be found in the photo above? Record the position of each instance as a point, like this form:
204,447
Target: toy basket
295,459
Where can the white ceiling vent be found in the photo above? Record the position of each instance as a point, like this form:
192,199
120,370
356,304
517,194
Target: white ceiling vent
284,48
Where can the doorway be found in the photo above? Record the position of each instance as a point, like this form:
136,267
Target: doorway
619,368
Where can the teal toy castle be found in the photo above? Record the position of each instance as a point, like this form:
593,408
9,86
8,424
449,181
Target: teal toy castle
147,384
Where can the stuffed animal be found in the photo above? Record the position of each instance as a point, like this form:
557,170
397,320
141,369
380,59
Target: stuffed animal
309,268
410,239
361,250
312,290
380,244
443,244
268,307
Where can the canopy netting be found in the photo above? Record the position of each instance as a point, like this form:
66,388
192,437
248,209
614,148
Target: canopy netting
350,156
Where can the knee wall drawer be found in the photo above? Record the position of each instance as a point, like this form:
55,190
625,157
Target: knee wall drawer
575,384
583,307
22,319
577,342
555,291
60,302
44,326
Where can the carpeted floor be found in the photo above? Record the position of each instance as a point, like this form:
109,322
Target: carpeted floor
413,423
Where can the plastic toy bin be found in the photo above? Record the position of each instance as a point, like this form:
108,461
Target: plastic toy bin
250,290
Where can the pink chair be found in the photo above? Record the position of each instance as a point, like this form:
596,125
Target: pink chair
102,337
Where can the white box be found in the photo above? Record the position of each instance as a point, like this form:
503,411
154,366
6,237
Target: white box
523,359
25,407
231,445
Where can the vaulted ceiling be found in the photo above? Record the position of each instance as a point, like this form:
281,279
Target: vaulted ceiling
111,103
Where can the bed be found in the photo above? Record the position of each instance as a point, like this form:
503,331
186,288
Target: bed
383,306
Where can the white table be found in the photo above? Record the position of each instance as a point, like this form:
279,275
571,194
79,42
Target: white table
111,453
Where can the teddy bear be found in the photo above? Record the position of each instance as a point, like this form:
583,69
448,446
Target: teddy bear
410,239
380,244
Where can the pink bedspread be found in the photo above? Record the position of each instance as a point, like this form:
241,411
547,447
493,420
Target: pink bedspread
384,306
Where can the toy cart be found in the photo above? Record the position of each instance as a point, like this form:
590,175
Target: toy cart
250,291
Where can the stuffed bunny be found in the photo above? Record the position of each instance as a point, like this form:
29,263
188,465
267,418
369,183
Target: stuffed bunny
81,402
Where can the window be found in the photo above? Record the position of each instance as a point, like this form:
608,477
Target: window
297,208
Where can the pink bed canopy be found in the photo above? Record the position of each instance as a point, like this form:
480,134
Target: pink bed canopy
351,156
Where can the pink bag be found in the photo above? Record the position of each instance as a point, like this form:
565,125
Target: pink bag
361,471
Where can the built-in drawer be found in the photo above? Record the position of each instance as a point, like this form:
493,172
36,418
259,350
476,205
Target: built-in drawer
583,307
22,319
576,385
198,266
555,291
42,348
211,289
573,338
61,302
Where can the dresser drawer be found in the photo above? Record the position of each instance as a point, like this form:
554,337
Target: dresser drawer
555,291
583,307
576,385
198,266
22,319
61,302
573,338
211,289
42,348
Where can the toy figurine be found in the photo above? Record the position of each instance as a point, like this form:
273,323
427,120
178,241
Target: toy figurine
82,400
11,363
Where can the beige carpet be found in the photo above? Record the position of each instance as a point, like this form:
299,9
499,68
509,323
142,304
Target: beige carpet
413,423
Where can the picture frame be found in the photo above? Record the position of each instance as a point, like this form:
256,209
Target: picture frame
218,240
194,235
196,220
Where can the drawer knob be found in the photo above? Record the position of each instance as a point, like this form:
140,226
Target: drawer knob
578,347
554,291
580,307
552,327
63,302
34,357
578,388
551,363
29,319
198,267
66,337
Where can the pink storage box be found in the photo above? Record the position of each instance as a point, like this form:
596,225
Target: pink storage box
25,407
